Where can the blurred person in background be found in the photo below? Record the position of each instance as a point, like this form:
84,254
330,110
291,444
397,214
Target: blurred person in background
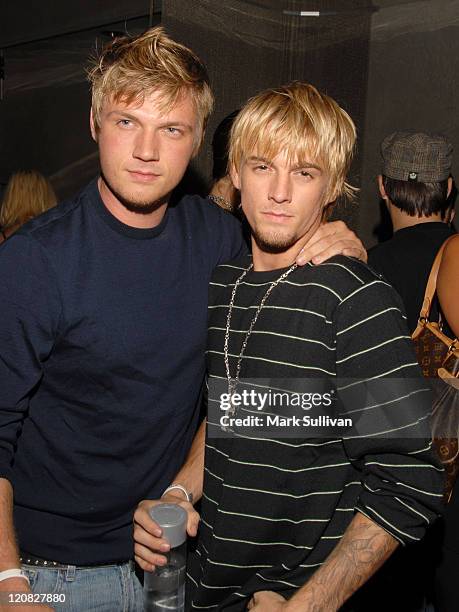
223,192
27,195
416,185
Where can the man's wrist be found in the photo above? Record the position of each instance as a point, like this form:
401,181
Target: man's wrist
313,597
14,572
178,488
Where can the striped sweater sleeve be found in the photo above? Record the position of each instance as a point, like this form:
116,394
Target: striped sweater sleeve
381,388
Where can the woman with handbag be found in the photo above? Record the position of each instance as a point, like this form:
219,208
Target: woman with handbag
446,583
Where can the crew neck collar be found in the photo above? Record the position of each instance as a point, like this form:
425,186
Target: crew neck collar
139,233
265,275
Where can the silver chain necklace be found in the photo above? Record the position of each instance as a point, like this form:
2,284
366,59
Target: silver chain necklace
233,382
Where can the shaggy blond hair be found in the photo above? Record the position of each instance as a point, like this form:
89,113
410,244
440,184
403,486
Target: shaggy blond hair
27,195
301,122
128,69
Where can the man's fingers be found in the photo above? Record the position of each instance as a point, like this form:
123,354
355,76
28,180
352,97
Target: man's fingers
352,251
143,518
330,239
340,247
320,249
144,538
147,567
266,600
329,247
148,545
314,248
254,601
192,520
193,523
148,557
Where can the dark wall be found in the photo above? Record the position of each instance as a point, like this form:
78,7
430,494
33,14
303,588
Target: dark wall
45,128
44,114
29,20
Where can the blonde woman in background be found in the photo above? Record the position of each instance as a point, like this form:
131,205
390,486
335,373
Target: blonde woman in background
27,195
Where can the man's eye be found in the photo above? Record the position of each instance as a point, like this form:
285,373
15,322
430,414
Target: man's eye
173,130
124,122
261,167
306,174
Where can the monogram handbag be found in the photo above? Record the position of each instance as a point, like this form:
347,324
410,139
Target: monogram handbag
438,356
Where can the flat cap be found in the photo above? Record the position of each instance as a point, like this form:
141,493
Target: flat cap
416,156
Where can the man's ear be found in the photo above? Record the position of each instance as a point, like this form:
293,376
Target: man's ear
332,196
234,174
382,191
332,192
450,186
327,211
92,125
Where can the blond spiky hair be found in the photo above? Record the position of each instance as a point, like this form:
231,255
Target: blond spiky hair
128,69
301,122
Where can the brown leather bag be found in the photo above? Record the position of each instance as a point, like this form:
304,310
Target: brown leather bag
438,356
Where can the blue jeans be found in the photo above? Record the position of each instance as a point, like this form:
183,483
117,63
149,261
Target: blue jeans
108,588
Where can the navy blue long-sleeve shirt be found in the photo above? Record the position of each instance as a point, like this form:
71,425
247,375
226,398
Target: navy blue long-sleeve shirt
102,339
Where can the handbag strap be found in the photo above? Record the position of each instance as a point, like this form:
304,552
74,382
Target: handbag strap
431,287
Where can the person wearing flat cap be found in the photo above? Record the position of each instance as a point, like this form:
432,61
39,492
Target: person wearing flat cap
416,184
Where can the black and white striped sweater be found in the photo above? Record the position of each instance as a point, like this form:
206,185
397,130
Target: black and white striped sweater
274,507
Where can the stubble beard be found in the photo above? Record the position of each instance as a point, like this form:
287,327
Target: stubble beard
140,207
274,242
